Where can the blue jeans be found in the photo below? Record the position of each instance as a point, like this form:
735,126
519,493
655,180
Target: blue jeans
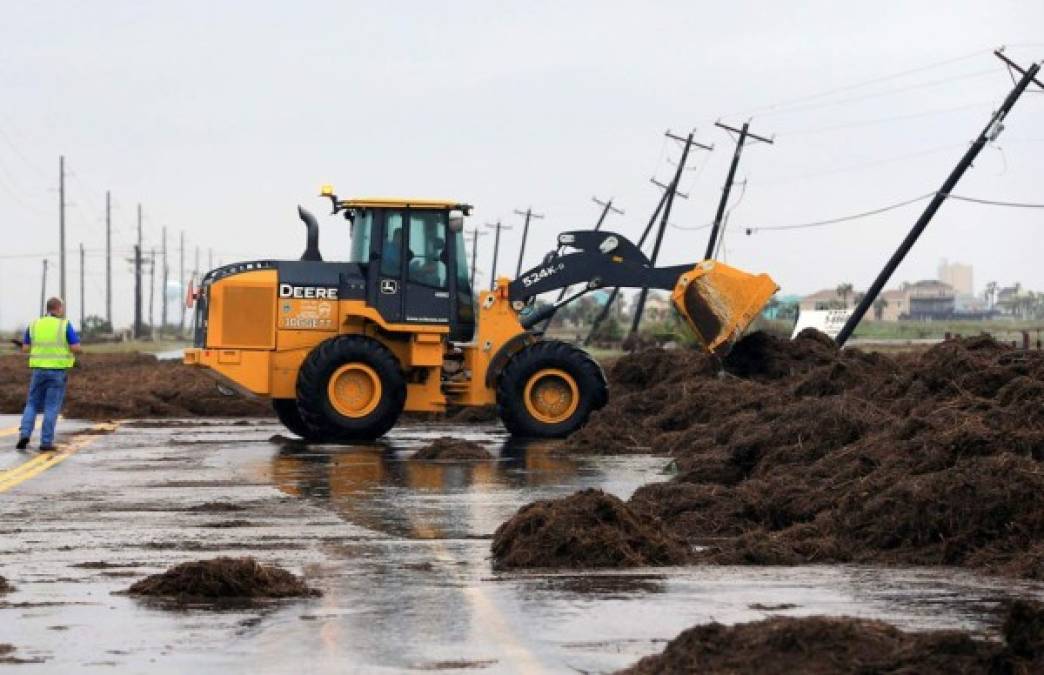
46,393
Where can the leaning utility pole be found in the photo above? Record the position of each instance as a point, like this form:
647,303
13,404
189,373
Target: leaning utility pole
528,213
61,227
108,258
475,234
43,289
496,251
608,306
606,208
83,258
195,268
138,328
163,286
989,133
137,292
210,259
182,285
744,134
152,293
640,307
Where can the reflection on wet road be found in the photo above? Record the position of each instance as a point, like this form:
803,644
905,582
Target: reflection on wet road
400,548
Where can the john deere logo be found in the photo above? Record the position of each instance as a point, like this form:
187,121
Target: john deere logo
389,286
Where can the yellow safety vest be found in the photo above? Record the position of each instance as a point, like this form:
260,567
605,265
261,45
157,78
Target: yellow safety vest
49,346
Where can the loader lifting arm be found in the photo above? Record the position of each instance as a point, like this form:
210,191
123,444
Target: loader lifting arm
717,301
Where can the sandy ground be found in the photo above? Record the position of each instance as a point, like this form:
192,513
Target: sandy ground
399,547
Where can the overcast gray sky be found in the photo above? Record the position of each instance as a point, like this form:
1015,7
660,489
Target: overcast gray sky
222,117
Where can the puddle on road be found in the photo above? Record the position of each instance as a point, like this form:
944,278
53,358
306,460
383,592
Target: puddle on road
400,548
380,487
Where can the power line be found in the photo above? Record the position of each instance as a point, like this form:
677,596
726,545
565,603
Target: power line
842,219
883,209
882,120
775,107
991,202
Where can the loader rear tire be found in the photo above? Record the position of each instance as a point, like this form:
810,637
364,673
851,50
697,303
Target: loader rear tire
287,412
549,389
350,388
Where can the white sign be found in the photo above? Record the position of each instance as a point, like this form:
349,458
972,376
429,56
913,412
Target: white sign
829,321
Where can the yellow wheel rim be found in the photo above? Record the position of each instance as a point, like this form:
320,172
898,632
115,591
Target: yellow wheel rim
354,390
551,396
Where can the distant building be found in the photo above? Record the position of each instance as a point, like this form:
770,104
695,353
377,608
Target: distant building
929,299
826,299
890,305
958,276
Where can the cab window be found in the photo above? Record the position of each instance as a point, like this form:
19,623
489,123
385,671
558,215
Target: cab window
362,226
392,245
427,248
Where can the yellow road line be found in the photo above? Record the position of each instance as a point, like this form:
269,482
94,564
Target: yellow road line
11,431
44,461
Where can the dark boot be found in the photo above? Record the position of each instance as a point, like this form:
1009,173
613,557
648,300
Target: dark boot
23,443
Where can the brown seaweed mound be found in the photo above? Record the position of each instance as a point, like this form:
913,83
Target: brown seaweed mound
223,578
585,530
115,386
800,453
5,587
827,645
448,448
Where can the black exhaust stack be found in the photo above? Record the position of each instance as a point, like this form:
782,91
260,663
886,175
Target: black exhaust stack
312,246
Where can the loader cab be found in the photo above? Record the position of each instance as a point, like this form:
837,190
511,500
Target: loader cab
415,261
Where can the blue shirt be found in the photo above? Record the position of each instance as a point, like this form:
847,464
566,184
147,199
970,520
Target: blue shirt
70,335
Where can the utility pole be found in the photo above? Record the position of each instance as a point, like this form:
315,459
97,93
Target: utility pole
137,292
744,134
43,289
640,307
195,268
163,286
152,293
528,213
606,208
83,314
496,251
182,285
989,133
108,258
210,258
608,306
475,234
61,226
137,282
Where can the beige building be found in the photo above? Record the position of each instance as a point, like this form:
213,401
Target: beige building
958,276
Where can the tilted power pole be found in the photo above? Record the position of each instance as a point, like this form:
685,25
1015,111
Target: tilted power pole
989,133
528,213
108,258
743,134
640,307
606,208
163,286
496,250
138,330
608,306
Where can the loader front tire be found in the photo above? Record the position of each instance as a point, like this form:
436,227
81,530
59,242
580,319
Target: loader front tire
287,412
350,388
549,389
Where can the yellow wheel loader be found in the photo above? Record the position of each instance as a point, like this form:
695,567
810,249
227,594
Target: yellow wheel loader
343,348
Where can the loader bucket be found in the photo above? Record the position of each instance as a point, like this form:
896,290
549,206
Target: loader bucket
719,301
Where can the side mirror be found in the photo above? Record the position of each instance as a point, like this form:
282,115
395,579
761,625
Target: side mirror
456,221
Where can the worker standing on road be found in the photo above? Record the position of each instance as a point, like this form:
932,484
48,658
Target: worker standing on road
50,342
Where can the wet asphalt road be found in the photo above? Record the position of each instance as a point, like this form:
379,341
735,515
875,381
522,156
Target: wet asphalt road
399,547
